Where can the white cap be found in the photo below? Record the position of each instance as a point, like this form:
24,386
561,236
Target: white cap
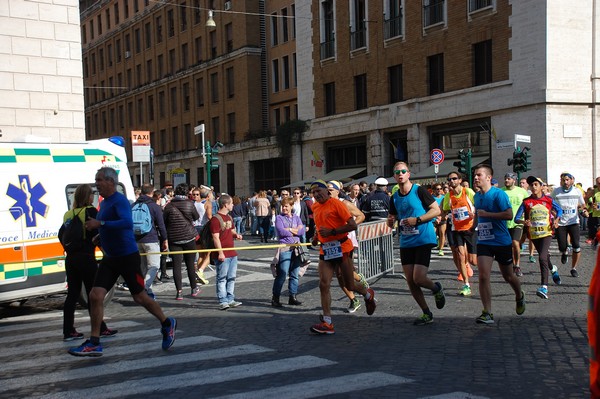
381,181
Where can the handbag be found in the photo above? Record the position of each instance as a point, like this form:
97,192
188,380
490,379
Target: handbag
275,262
304,260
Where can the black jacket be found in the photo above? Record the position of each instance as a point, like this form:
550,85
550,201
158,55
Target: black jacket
179,215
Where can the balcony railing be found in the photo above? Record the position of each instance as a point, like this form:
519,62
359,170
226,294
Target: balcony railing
358,39
393,27
433,13
475,5
328,49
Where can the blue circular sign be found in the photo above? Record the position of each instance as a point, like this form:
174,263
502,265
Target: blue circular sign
437,156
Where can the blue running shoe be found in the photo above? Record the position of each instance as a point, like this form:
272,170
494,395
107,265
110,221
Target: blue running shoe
168,334
542,292
87,349
556,277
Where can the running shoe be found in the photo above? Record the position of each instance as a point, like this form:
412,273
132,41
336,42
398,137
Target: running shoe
531,259
460,277
521,304
168,334
224,306
370,303
542,292
179,296
564,258
556,277
354,305
589,241
441,252
234,304
323,328
152,296
465,291
87,349
440,298
574,273
108,333
73,336
363,281
469,271
424,319
196,291
200,277
485,318
518,271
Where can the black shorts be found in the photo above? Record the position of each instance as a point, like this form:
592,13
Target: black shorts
465,237
571,230
127,266
516,233
420,255
501,253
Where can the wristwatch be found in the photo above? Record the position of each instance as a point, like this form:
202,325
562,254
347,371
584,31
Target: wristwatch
102,223
418,220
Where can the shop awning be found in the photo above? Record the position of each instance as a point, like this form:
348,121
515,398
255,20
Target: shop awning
445,168
342,174
299,183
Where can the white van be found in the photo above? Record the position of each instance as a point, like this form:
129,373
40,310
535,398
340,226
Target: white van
36,188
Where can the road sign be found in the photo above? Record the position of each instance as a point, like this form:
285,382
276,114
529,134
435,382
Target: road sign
437,156
436,168
500,145
522,138
140,146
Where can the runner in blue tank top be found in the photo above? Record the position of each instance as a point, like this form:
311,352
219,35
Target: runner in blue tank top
493,210
415,210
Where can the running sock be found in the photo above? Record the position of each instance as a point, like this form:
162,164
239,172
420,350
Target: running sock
437,288
368,295
95,340
166,323
327,319
427,312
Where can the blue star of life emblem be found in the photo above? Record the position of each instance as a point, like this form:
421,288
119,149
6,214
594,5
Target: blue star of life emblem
28,200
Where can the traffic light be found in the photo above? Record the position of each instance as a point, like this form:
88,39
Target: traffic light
521,160
461,164
213,156
526,159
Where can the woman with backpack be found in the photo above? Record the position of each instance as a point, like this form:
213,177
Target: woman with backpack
80,262
179,215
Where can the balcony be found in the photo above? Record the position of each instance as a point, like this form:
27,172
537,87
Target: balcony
358,39
328,49
476,5
393,27
433,13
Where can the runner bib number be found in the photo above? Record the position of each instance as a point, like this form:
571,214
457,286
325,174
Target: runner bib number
407,229
485,231
461,213
332,250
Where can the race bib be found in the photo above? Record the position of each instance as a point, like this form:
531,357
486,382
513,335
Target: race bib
461,213
332,250
485,231
407,229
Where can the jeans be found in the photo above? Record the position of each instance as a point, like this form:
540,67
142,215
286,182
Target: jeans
150,263
237,222
288,264
264,223
253,224
226,272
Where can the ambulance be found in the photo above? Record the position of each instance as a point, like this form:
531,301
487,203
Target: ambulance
37,183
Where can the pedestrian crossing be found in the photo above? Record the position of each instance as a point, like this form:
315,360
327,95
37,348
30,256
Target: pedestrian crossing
33,363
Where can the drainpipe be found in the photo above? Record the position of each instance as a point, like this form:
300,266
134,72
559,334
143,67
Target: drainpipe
595,78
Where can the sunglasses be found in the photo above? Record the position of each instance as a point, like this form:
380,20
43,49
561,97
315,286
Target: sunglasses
297,192
452,178
196,195
400,172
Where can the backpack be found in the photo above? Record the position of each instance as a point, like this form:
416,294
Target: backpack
206,238
71,232
142,219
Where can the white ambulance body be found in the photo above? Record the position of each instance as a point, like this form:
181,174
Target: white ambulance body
37,182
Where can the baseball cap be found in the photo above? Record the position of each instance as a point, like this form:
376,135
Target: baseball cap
511,175
494,181
532,179
381,181
570,176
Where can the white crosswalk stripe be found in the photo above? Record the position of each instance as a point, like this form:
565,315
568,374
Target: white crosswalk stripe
134,357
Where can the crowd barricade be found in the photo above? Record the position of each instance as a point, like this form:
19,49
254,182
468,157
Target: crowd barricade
375,249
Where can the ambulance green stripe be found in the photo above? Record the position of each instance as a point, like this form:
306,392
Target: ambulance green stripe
32,151
68,158
8,158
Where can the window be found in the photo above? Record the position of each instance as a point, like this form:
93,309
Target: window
214,87
170,23
188,136
229,37
85,67
295,71
230,82
121,117
84,34
216,129
213,44
184,56
287,113
159,36
393,19
286,72
175,138
274,37
93,61
104,122
149,71
185,92
183,16
126,9
275,74
433,12
148,35
164,143
138,41
360,91
99,24
346,155
112,119
330,98
111,84
198,47
129,79
284,25
127,45
138,74
130,113
160,67
161,104
199,92
140,111
475,5
107,17
277,116
172,61
173,100
293,20
92,29
231,127
109,53
197,16
482,63
327,30
395,82
150,105
358,25
101,58
136,6
116,7
103,90
118,49
435,65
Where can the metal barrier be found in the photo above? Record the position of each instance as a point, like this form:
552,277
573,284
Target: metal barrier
375,249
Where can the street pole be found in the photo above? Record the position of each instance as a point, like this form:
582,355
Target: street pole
208,151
